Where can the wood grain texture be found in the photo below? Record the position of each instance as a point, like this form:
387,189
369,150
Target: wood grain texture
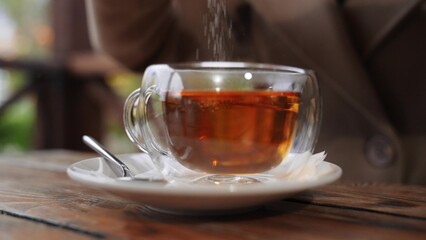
14,228
46,200
399,200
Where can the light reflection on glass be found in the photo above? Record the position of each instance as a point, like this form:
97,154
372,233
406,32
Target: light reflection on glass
248,76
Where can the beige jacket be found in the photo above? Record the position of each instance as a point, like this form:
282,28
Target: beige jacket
369,56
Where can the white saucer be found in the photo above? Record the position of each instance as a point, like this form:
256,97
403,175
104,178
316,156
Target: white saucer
191,198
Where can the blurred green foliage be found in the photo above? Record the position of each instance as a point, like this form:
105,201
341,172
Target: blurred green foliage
16,126
17,121
30,22
124,83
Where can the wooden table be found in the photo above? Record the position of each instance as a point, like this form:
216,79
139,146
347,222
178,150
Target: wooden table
39,201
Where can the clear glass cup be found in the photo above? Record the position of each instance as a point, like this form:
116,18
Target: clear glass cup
223,122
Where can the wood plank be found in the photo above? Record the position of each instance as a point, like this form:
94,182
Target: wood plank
395,199
14,228
54,160
49,196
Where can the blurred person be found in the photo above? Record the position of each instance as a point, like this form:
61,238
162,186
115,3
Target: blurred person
369,57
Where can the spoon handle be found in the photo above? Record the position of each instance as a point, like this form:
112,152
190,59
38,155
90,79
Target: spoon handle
116,165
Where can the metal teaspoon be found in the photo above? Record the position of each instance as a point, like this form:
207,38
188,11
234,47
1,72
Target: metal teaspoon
117,166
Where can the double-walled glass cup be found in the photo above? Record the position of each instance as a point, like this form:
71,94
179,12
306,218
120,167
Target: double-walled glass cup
223,122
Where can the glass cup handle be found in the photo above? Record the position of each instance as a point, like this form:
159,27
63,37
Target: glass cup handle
131,126
136,121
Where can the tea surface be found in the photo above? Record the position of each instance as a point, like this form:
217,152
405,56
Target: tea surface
230,132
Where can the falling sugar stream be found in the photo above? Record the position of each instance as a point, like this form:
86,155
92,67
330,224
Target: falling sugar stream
218,30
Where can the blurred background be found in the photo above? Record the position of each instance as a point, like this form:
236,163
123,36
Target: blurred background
53,88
